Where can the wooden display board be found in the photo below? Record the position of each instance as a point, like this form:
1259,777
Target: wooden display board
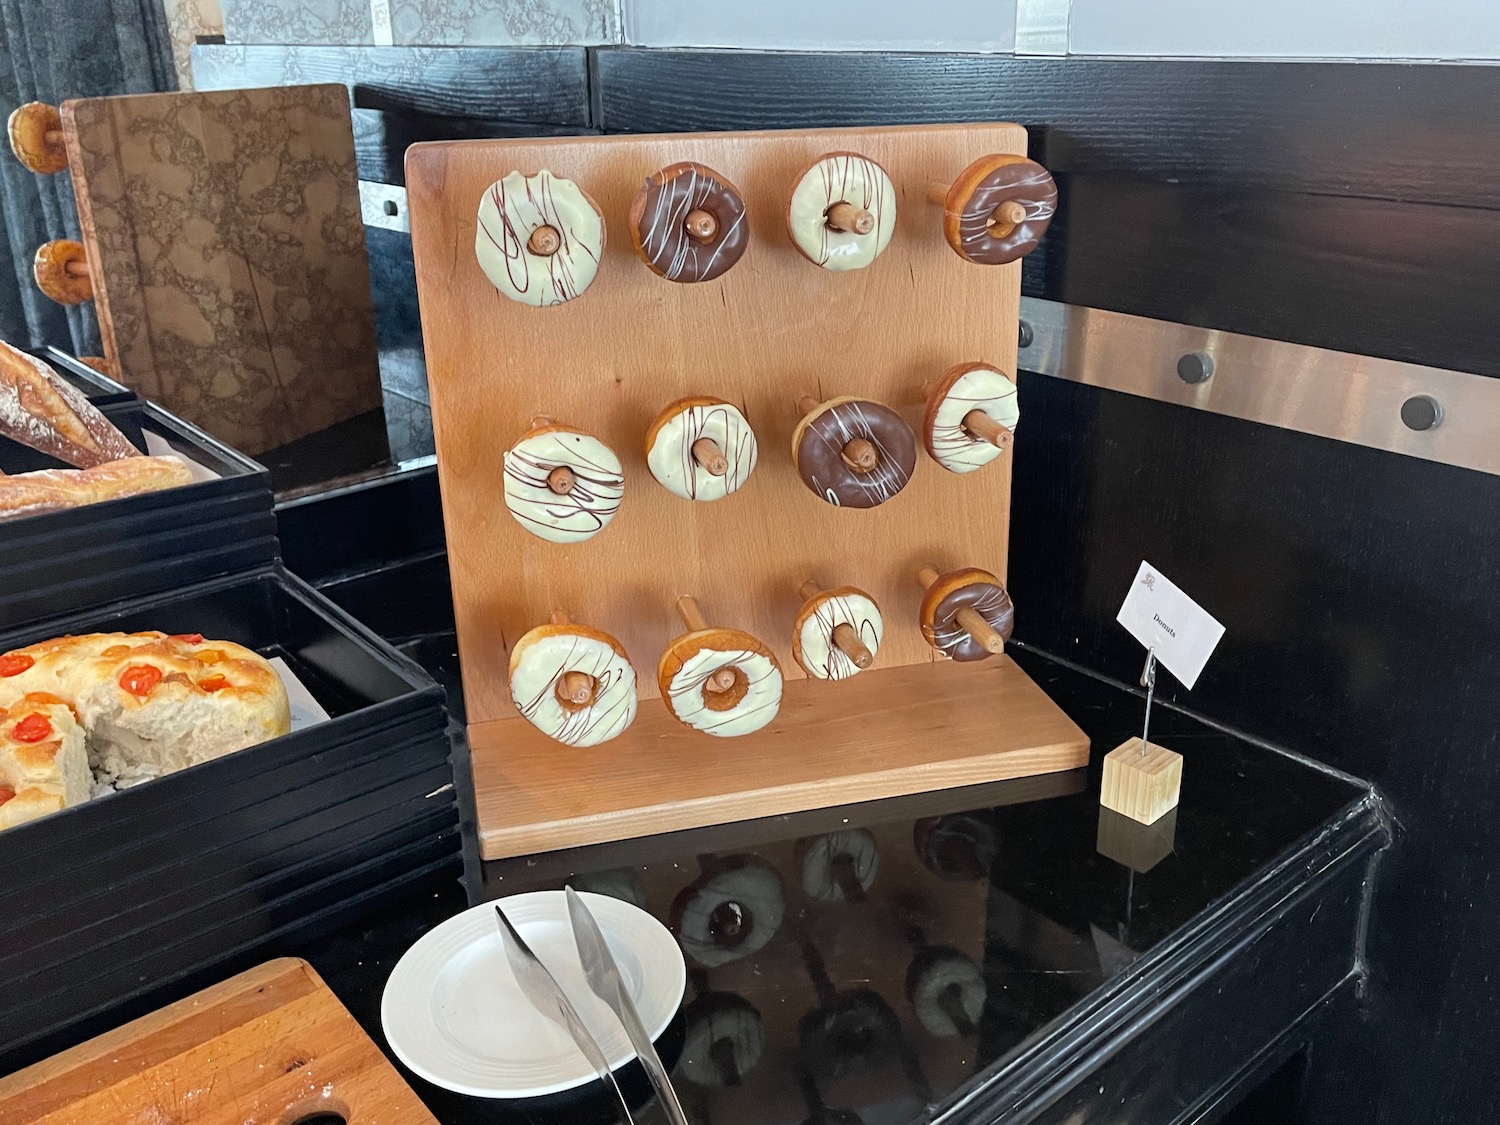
773,328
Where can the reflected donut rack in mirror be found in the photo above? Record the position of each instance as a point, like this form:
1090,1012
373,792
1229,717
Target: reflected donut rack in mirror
760,336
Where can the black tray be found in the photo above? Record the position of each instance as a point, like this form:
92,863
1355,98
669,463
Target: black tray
132,897
54,563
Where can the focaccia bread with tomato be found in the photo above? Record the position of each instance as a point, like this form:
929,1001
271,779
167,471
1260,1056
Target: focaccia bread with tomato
149,703
43,766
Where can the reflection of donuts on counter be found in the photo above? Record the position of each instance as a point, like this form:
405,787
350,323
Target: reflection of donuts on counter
724,1041
562,484
852,452
950,427
998,209
700,448
688,223
623,883
851,1033
839,866
722,682
944,602
946,990
957,846
573,683
539,238
730,913
816,632
842,211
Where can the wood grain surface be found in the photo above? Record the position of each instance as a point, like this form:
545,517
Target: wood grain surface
880,734
773,328
271,1045
225,241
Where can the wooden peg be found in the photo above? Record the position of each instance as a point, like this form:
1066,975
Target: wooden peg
561,480
858,453
843,215
576,688
1006,217
806,405
544,241
980,629
558,617
707,453
692,617
844,634
982,426
703,226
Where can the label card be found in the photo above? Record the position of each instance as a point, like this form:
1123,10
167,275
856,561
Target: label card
1162,617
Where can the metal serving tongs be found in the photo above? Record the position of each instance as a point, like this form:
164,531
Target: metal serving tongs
604,978
548,997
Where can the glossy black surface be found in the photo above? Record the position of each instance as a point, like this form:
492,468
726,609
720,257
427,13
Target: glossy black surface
1006,878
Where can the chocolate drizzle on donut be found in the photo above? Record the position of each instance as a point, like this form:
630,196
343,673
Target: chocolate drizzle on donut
820,453
739,458
582,722
585,508
1025,182
513,244
659,223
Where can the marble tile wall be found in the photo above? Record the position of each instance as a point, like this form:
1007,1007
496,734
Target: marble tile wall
422,22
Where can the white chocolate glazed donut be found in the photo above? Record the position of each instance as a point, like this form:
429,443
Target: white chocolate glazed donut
940,970
547,653
856,846
511,210
849,178
689,661
813,646
670,441
968,387
586,508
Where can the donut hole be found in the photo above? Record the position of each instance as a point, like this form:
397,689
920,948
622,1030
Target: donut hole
576,691
726,699
729,924
861,455
1005,218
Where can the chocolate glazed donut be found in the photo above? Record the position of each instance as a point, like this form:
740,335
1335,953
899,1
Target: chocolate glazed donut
998,209
823,437
983,594
688,223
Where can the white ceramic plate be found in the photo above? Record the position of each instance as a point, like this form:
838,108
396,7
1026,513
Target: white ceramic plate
453,1012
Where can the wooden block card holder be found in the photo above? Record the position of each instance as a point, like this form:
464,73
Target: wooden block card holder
774,339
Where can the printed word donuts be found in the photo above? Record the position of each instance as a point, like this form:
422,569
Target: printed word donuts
852,452
562,484
842,211
720,681
998,209
967,614
971,414
572,683
837,632
700,448
539,238
688,223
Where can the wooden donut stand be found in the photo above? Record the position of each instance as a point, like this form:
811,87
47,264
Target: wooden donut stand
772,329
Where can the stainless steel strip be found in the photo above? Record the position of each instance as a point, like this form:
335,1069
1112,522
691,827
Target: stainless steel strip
384,205
1428,412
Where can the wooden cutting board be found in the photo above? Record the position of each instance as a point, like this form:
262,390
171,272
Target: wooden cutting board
272,1046
227,253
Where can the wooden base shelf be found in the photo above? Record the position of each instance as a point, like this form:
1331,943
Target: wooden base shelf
887,732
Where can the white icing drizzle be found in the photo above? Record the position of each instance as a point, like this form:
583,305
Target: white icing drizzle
993,605
884,481
581,513
852,179
678,198
510,210
818,655
983,389
761,701
670,457
545,660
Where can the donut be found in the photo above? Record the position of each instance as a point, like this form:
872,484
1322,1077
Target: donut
573,683
692,698
724,1040
947,991
729,913
814,642
562,484
850,1033
840,866
947,428
844,432
960,846
623,883
969,588
538,238
700,448
36,137
688,223
998,209
54,277
842,211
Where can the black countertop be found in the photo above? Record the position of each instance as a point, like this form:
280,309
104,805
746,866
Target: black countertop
1014,940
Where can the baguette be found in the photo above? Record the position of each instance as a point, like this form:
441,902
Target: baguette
53,490
42,410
